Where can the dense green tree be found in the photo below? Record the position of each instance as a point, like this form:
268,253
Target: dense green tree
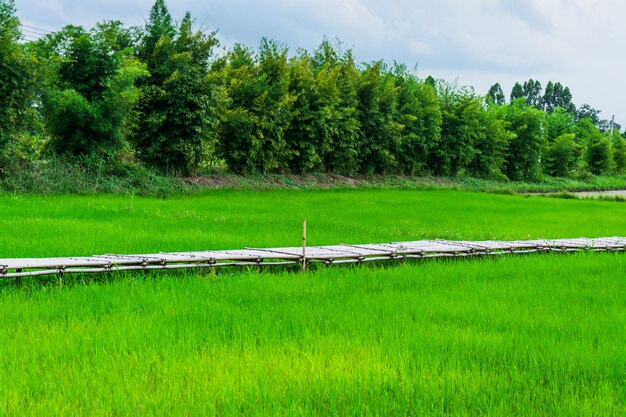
326,55
379,137
597,155
266,111
259,112
240,140
17,71
587,112
619,152
343,156
307,136
495,95
419,116
558,123
117,36
491,144
177,123
532,91
88,103
564,98
549,98
516,92
562,155
461,127
323,128
523,154
159,28
557,96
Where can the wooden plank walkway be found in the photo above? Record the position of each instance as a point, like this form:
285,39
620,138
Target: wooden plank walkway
335,254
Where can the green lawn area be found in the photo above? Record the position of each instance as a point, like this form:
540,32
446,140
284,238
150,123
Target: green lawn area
538,335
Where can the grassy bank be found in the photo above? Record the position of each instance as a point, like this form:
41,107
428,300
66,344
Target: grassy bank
56,176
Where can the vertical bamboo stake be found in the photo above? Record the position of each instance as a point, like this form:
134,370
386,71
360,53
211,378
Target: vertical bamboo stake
304,245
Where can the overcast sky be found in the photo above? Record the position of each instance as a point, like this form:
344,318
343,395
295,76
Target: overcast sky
477,42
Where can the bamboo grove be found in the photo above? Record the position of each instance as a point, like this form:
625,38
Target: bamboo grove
166,97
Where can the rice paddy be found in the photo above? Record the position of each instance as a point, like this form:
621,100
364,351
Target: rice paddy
534,335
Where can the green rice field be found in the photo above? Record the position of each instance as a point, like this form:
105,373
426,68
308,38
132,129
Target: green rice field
536,335
86,225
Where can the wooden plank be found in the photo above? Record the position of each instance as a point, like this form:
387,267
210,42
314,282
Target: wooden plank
378,247
360,250
26,263
429,246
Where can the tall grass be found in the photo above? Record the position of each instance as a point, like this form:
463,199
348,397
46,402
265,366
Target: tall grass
91,175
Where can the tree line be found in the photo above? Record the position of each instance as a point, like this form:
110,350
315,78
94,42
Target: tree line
162,96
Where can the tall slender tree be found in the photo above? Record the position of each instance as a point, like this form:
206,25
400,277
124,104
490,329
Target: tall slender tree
260,110
516,92
177,122
16,78
523,155
377,111
343,157
419,116
532,92
495,95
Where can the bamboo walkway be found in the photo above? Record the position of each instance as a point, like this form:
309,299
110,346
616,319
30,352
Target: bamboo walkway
336,254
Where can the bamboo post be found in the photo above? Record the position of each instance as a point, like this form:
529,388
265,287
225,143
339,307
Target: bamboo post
18,280
304,245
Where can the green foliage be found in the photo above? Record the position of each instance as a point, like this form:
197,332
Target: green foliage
9,23
598,154
379,138
495,95
259,113
461,128
264,112
524,151
160,26
17,81
587,112
557,96
619,152
177,122
323,130
420,117
343,156
532,92
516,92
88,102
562,156
491,145
308,136
559,122
599,157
